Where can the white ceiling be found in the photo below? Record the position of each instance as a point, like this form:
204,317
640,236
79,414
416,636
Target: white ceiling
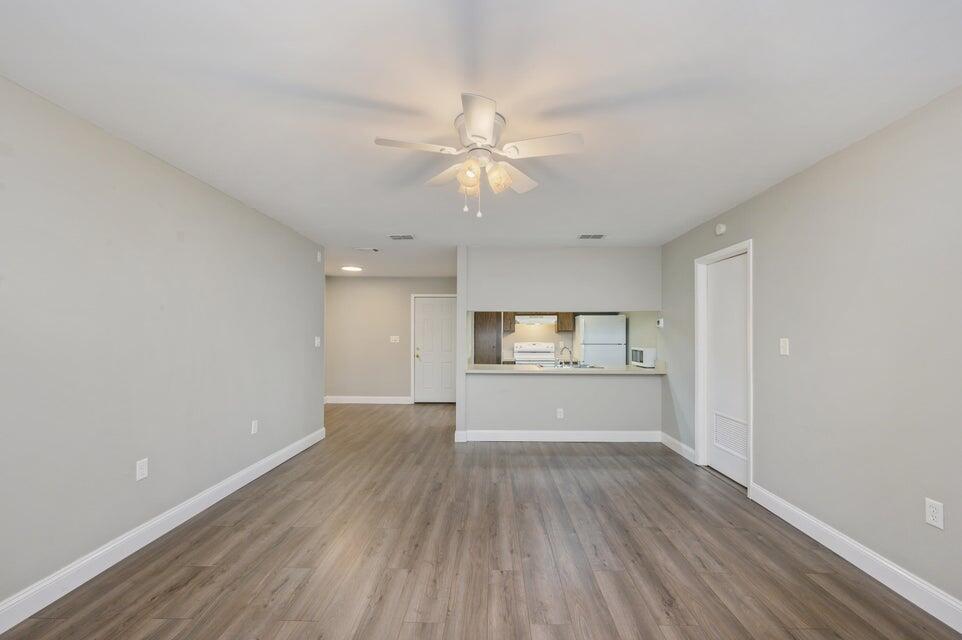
687,107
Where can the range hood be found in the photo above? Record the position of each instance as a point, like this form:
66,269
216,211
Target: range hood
529,319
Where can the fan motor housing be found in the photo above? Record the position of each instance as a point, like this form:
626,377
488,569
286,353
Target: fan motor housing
468,142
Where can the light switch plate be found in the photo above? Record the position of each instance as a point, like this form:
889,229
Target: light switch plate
560,413
317,341
660,323
933,513
142,470
255,425
395,339
784,347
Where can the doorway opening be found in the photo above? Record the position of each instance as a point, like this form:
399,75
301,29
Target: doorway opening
724,404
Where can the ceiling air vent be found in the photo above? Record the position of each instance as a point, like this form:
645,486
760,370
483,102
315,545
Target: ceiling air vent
591,236
367,249
401,236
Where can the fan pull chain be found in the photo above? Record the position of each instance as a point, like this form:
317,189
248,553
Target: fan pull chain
479,214
465,209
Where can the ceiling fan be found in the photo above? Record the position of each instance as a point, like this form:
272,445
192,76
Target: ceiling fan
479,127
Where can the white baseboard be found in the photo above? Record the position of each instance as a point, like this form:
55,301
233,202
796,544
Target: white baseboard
926,596
27,602
460,436
678,447
553,435
368,400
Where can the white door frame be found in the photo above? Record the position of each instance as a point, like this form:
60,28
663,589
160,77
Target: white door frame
413,297
701,352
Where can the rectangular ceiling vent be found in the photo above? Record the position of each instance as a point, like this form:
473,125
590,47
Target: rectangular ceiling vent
591,236
367,249
401,236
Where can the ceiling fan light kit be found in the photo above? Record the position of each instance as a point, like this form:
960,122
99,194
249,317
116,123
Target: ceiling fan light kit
498,177
479,128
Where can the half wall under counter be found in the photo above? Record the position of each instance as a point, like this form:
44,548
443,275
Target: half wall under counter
522,403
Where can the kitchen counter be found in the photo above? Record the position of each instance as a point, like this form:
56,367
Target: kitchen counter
533,369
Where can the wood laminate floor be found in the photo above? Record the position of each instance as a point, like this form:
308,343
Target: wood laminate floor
388,530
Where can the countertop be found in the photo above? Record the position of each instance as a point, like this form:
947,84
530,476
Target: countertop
533,369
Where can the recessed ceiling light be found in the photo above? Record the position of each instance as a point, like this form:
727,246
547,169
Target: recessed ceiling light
351,268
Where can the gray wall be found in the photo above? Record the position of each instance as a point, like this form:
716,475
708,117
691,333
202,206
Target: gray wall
575,279
142,314
642,330
361,315
858,262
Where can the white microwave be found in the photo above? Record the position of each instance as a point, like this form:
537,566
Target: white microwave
642,357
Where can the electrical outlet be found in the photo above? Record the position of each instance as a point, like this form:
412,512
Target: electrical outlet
255,424
317,341
560,413
933,513
395,339
784,348
142,469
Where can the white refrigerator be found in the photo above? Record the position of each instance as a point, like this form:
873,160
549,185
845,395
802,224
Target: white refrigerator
601,340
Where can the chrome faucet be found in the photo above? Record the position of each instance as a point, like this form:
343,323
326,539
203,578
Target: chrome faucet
561,355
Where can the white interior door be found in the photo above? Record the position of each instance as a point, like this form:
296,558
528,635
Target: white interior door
434,337
729,429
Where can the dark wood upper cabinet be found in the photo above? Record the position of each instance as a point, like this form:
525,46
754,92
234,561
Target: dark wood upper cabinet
566,321
487,337
508,321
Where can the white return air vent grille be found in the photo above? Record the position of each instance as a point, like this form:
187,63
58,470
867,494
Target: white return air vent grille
401,236
731,435
591,236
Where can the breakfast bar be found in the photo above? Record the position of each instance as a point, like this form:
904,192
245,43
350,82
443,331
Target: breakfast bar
506,402
537,369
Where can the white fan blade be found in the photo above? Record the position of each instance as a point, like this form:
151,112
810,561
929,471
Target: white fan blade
546,146
519,181
478,117
445,176
417,146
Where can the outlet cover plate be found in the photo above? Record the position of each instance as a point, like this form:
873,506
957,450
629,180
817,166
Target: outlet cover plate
934,514
142,470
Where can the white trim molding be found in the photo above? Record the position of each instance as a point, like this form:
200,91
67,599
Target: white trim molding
32,599
925,595
678,447
546,435
460,436
368,400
